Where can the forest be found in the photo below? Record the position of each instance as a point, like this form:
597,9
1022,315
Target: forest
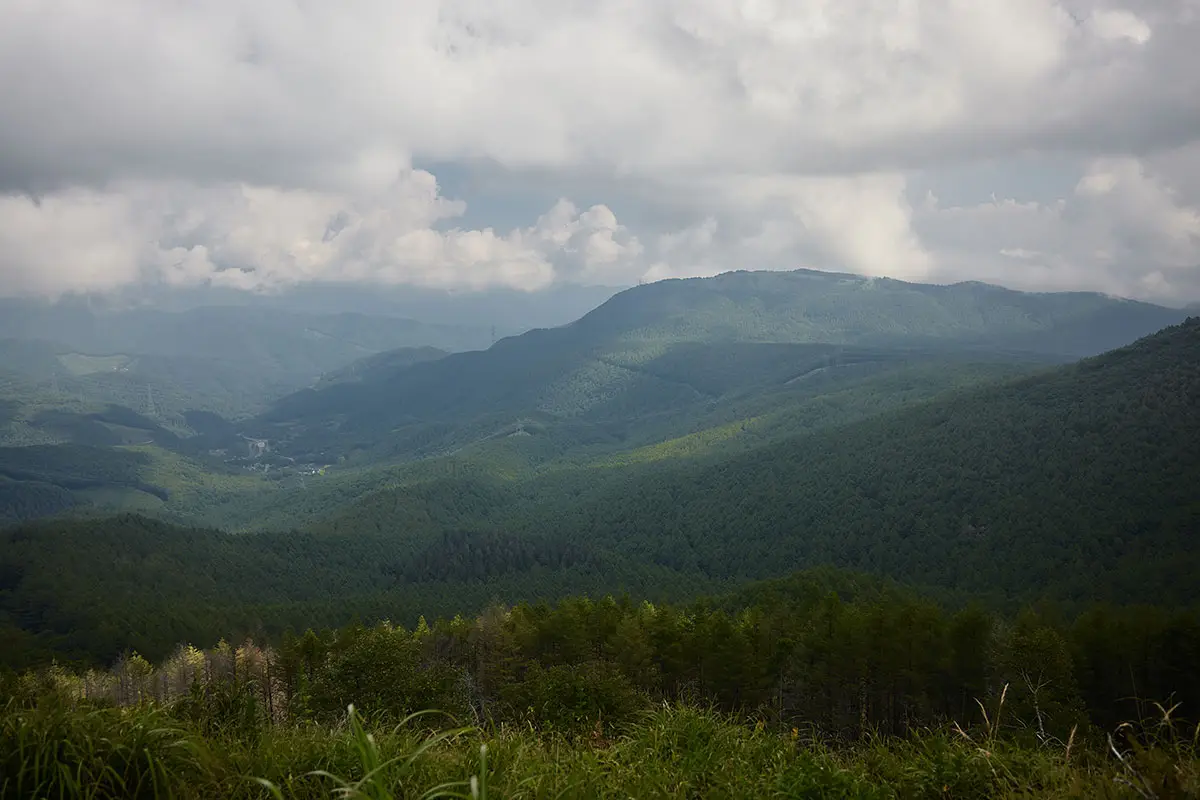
824,684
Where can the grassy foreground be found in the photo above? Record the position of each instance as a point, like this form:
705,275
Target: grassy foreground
54,748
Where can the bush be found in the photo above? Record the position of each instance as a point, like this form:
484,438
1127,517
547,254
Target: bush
223,708
575,698
382,672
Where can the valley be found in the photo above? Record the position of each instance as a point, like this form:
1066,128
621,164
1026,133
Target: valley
623,400
916,432
796,499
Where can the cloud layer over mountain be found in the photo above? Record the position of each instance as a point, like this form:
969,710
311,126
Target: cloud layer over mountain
1031,143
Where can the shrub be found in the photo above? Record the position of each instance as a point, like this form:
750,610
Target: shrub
575,698
382,672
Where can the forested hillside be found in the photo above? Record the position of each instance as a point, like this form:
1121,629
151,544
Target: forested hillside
1076,485
89,589
1077,482
381,366
1082,478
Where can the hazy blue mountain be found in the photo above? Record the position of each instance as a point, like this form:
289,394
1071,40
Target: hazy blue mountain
510,311
231,360
381,366
285,339
811,306
661,346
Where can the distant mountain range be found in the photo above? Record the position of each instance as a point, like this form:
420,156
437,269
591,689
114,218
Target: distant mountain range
1073,485
509,311
681,437
659,347
224,359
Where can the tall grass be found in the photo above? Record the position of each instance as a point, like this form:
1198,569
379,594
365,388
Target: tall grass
54,750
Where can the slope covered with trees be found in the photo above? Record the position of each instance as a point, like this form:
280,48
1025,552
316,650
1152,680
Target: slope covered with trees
1077,481
707,367
1075,485
1082,478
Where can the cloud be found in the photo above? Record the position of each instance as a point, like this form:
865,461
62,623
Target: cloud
273,142
1125,229
283,91
859,224
251,237
587,247
1117,24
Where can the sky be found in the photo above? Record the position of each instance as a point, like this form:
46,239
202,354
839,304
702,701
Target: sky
475,144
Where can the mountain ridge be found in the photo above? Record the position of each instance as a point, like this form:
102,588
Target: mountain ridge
611,358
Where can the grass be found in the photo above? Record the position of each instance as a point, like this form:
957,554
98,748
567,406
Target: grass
51,749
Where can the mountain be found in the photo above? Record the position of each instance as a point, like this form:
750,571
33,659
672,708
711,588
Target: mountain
291,342
812,306
676,371
380,366
83,356
509,311
678,345
1075,484
1081,478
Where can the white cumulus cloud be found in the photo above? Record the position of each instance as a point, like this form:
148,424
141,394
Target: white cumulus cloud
274,142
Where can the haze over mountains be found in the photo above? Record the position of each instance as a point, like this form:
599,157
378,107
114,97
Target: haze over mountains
681,435
232,352
677,399
1038,486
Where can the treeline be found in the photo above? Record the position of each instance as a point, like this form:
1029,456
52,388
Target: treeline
41,480
80,590
471,556
29,499
883,662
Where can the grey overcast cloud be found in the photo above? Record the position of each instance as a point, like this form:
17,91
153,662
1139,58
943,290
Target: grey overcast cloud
475,143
